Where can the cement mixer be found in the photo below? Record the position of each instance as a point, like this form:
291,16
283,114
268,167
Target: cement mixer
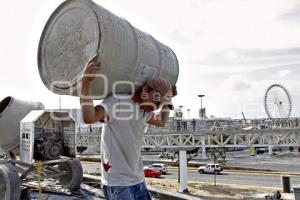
12,111
46,141
79,29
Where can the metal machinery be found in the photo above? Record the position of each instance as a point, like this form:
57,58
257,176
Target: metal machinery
47,150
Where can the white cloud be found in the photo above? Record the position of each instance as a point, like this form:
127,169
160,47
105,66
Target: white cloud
209,37
236,83
231,55
281,74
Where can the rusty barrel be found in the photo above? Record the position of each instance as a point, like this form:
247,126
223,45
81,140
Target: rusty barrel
78,29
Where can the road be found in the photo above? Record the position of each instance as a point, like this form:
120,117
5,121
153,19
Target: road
288,163
253,179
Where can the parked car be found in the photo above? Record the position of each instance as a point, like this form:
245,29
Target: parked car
261,150
159,166
152,172
166,155
210,168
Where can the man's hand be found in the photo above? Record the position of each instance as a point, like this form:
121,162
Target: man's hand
92,67
174,91
167,98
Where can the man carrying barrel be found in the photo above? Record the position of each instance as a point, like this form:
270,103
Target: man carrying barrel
124,119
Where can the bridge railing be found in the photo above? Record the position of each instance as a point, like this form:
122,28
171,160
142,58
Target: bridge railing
166,138
257,138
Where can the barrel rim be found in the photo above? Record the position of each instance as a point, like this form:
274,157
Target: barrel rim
177,76
52,18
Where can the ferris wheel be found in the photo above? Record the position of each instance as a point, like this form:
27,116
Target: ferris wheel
278,102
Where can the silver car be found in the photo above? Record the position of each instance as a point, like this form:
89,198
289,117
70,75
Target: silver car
159,166
210,168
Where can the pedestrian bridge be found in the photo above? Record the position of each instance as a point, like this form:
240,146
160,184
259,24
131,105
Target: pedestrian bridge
166,138
237,138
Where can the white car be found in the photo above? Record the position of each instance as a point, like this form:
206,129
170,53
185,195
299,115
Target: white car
210,168
159,166
166,155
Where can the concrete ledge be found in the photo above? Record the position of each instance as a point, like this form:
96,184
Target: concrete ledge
165,195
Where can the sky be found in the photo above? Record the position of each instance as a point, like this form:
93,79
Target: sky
231,51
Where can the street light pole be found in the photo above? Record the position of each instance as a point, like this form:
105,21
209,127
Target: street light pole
201,96
202,125
181,111
180,107
188,110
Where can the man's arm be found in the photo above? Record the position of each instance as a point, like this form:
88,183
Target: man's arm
90,113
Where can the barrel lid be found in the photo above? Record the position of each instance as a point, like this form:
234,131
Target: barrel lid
69,39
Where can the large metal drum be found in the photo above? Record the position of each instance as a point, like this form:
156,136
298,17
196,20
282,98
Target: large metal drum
78,29
12,111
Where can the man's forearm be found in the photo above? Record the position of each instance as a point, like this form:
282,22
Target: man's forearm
87,105
164,114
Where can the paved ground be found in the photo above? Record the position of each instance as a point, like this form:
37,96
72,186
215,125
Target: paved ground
237,178
288,163
219,192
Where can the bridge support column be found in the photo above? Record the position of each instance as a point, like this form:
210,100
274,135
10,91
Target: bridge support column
203,154
183,170
270,147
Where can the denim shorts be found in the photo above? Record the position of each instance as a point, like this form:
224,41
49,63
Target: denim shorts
134,192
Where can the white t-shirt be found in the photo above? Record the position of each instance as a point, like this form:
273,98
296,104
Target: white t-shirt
121,141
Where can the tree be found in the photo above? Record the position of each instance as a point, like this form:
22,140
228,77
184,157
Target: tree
218,155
